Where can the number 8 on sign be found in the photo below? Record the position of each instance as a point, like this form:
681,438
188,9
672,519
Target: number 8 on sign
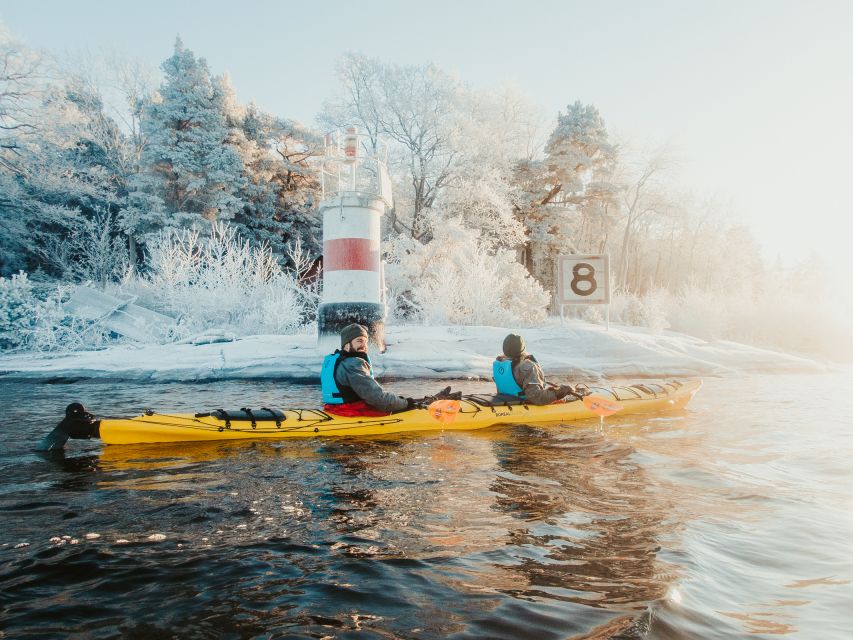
583,284
583,279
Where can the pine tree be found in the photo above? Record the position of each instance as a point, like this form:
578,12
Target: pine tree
280,187
190,174
570,194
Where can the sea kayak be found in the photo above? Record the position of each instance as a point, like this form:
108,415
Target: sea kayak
470,412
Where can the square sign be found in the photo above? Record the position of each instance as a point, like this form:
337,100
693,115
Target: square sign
583,279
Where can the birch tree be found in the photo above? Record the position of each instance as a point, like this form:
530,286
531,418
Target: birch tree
416,108
21,86
643,196
20,90
58,175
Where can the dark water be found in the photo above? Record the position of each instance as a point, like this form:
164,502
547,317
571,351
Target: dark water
729,520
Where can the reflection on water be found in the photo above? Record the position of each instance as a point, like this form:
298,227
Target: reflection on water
728,519
584,501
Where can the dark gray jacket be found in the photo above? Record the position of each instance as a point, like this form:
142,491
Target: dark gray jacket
529,376
355,373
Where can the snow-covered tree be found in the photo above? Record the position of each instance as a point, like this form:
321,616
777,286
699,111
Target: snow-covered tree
482,200
460,278
60,171
20,93
123,86
577,153
416,107
280,186
190,174
21,86
72,178
569,195
451,148
496,129
644,197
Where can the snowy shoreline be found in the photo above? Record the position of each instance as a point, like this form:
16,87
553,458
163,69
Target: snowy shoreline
577,349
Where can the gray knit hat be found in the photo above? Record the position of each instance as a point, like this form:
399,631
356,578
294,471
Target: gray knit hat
351,332
513,346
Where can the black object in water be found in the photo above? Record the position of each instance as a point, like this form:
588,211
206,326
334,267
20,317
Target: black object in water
78,424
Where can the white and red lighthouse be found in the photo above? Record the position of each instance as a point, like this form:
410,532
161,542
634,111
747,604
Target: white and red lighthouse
356,192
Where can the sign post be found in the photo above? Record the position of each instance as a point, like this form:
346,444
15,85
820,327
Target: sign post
583,279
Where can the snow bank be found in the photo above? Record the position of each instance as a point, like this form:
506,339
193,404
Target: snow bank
576,349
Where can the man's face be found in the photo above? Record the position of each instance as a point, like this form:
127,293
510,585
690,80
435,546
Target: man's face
359,344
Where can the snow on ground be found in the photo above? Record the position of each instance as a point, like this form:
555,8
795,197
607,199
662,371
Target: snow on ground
573,350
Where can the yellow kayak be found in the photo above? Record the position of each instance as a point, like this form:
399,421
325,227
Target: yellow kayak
471,412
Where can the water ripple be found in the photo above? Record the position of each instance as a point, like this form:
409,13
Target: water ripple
730,519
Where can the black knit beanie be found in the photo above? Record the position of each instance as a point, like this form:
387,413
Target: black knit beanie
513,346
351,332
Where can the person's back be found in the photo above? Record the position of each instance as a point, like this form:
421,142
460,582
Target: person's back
523,377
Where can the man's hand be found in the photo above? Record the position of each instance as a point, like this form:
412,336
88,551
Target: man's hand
411,403
567,390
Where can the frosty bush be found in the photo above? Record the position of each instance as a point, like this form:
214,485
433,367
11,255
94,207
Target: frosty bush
93,251
221,282
693,311
17,315
640,311
32,317
214,282
457,279
55,330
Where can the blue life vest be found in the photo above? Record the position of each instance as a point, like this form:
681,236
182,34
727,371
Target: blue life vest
505,380
332,392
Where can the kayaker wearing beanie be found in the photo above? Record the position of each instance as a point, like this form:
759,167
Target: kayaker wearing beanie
517,373
347,380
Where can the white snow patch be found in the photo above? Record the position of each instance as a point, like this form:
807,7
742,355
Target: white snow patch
429,352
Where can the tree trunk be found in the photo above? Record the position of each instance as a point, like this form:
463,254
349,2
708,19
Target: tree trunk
623,256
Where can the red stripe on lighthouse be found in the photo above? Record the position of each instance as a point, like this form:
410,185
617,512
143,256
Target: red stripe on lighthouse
350,254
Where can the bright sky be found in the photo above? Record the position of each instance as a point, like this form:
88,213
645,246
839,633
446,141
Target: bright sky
755,96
